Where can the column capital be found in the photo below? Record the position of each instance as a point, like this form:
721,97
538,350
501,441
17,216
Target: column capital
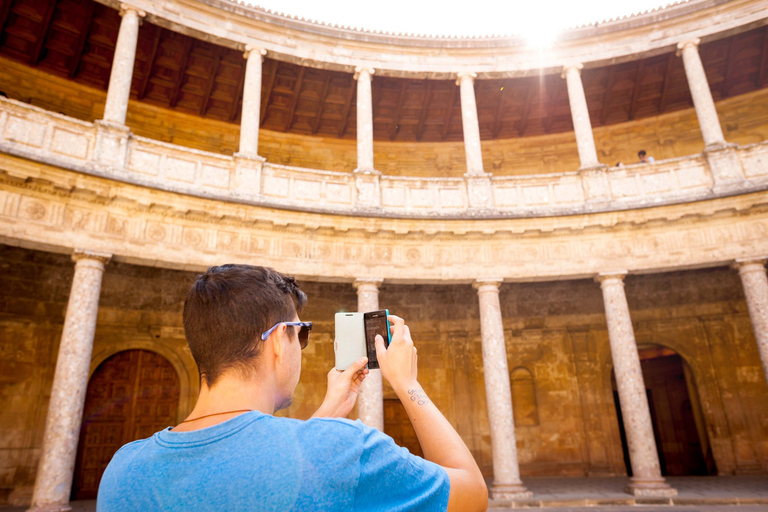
611,278
363,71
487,284
249,49
578,66
124,8
84,256
688,43
367,283
743,265
465,74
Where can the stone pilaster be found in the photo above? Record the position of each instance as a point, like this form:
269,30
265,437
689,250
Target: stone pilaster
70,381
582,126
755,283
702,97
506,471
472,149
364,77
370,400
646,471
120,78
251,114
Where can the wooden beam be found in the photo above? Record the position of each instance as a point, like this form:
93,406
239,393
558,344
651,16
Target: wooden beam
424,106
237,99
211,80
323,96
449,113
37,50
636,91
527,107
187,49
497,118
80,44
150,62
764,61
398,107
608,89
5,10
266,92
729,67
345,109
294,98
550,109
667,80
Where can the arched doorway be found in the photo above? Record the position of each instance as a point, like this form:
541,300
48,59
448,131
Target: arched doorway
678,424
130,396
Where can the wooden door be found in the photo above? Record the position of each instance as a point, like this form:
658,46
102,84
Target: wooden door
673,419
398,426
132,395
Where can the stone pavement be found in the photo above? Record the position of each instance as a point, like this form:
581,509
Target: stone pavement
747,493
571,493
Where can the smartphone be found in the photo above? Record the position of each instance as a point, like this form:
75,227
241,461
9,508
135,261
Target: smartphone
349,344
375,323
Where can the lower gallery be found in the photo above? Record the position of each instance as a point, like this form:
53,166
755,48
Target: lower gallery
706,389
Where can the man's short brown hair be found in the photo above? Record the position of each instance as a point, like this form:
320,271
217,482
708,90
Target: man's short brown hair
228,308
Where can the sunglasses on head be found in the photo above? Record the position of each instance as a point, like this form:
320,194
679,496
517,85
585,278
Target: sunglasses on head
304,328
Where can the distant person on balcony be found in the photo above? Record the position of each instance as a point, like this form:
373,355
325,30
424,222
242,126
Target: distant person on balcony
231,453
644,157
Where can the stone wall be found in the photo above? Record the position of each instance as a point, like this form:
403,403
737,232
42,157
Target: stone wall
555,331
744,119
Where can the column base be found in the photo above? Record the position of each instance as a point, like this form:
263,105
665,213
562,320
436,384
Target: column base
650,487
53,507
510,492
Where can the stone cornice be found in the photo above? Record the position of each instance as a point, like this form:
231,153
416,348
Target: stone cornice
234,25
59,210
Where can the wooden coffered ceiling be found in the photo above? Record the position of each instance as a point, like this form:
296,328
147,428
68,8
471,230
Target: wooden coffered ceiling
76,39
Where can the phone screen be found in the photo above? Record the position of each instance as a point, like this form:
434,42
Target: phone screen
375,323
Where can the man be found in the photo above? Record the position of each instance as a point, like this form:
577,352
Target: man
644,157
243,329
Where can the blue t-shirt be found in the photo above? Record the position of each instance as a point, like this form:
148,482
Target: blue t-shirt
260,462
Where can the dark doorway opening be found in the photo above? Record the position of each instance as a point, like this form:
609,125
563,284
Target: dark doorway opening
130,396
398,426
678,425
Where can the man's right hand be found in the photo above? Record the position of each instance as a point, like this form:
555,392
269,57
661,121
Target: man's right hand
398,363
440,442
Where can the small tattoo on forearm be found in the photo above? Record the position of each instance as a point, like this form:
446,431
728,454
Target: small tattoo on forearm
418,396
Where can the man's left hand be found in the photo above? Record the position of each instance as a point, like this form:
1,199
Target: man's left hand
342,390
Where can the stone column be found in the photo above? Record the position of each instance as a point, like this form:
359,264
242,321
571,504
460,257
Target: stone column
370,400
582,126
646,471
70,381
251,114
472,148
702,97
506,472
364,120
120,78
755,283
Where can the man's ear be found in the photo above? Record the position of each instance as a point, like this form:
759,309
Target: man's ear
276,338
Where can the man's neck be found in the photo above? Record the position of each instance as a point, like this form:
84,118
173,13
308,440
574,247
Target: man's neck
230,394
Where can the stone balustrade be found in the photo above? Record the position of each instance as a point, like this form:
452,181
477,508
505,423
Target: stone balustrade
109,151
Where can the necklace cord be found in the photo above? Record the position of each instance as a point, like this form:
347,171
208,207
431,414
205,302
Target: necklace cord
217,414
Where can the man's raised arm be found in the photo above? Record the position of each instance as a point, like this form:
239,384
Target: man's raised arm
440,442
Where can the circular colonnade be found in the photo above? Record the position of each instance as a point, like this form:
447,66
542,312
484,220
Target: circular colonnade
97,189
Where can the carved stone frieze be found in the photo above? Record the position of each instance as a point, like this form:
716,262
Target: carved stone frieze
62,210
